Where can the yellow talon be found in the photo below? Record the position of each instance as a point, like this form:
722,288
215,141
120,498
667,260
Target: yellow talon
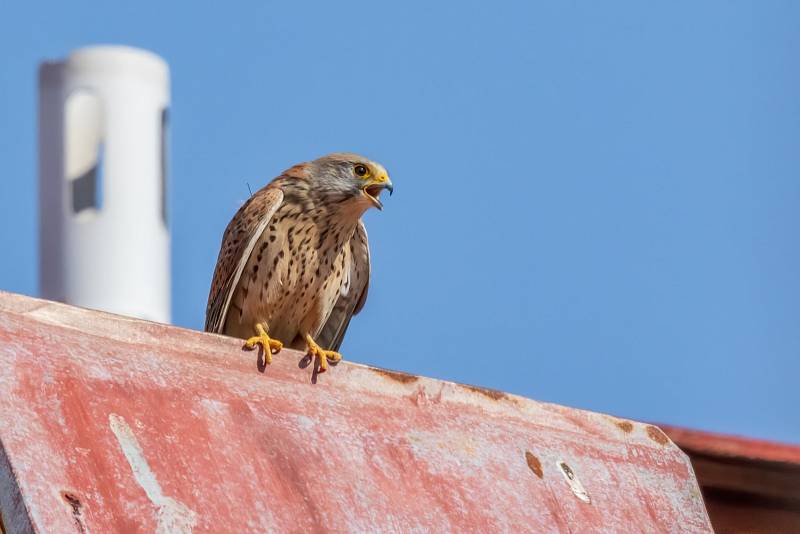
270,346
323,355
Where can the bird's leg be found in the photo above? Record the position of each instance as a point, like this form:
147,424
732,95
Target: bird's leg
267,343
324,355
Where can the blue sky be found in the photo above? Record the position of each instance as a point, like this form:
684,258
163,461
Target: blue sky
596,203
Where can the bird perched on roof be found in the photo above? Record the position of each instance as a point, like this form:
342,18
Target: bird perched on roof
294,263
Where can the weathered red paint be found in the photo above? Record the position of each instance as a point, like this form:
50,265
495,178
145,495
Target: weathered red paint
114,424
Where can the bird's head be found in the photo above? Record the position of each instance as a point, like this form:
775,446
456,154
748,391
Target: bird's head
350,178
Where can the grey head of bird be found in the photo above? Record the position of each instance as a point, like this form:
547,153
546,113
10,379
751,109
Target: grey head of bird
350,179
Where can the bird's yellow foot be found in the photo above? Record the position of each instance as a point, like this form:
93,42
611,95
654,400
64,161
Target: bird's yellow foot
324,356
270,346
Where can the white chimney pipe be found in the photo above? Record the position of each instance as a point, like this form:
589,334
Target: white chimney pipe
103,236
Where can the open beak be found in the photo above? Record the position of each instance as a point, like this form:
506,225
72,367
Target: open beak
373,190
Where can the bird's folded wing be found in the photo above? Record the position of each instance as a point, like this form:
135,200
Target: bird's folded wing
238,242
353,293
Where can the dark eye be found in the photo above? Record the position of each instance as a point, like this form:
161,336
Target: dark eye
360,170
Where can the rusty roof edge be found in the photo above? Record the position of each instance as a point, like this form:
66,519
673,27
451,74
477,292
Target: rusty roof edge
422,389
497,401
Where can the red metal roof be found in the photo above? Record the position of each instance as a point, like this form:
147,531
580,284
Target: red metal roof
724,445
114,424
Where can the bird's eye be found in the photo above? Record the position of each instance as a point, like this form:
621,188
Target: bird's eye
361,171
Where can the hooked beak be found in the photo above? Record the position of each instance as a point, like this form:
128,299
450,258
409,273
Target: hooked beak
373,190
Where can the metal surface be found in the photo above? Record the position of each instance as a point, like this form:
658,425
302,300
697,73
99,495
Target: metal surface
723,445
113,424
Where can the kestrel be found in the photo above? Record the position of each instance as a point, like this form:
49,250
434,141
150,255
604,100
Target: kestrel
294,264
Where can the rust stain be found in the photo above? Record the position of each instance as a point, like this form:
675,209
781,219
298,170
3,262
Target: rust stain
397,376
75,504
491,393
625,426
534,464
657,435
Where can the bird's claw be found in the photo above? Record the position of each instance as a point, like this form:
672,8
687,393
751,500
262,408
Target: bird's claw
323,356
270,346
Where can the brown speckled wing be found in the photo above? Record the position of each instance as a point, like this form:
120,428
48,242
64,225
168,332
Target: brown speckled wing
353,294
238,242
